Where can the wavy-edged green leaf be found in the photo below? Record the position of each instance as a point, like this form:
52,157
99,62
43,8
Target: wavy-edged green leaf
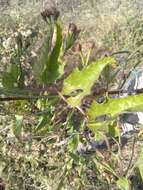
46,69
51,71
113,107
84,80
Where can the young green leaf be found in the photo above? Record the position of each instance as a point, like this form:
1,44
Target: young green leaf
42,123
123,184
100,129
11,79
17,128
73,143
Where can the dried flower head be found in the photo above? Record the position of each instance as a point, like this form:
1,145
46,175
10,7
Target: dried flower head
70,38
73,29
90,44
52,12
19,40
77,47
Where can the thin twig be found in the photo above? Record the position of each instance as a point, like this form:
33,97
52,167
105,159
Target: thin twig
132,155
137,91
24,97
120,52
14,98
130,72
4,129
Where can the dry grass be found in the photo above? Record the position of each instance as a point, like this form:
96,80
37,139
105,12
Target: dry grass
96,18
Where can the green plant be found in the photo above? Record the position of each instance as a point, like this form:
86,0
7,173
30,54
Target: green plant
49,109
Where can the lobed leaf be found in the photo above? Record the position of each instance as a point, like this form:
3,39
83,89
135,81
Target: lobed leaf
83,80
113,107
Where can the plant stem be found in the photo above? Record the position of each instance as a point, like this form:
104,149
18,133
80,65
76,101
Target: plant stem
132,155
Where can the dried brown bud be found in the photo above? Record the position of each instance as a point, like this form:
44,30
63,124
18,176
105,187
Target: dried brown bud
72,27
74,30
19,40
51,12
90,45
77,47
